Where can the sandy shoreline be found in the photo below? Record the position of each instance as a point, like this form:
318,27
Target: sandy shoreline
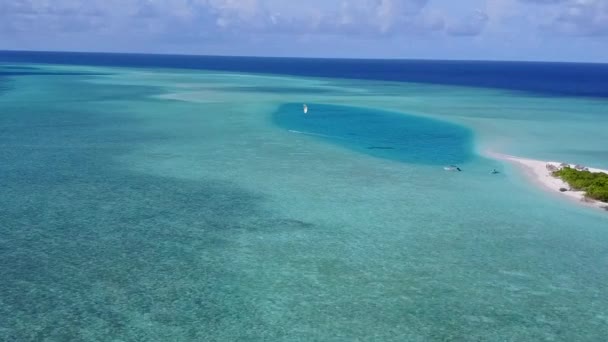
537,171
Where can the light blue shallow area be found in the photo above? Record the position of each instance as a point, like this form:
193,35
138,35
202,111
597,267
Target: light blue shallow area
158,205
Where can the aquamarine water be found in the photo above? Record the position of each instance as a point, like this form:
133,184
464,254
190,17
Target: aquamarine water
166,205
380,133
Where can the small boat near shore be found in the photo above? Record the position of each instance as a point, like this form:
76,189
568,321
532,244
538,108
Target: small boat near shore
452,168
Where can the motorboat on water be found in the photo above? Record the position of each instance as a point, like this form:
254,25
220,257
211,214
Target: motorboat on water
452,168
305,108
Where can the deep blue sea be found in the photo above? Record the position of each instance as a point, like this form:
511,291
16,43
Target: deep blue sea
568,79
183,198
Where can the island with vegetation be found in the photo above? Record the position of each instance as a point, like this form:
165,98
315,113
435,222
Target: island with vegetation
577,182
594,184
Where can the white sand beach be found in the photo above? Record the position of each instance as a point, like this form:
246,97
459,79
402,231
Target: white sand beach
538,172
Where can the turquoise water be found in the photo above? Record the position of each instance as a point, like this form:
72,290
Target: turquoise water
164,205
391,135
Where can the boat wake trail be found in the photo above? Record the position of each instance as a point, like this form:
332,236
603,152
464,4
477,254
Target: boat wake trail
373,145
317,134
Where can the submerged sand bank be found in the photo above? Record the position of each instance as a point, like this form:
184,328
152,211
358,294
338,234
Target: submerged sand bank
540,174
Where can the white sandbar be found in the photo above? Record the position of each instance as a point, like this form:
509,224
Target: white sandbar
539,173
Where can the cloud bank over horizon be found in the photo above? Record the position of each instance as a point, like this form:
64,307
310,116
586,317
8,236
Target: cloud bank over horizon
469,29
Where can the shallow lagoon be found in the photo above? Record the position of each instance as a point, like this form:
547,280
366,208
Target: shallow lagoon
169,205
396,136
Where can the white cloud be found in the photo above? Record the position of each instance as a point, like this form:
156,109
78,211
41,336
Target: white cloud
583,17
365,17
471,25
572,17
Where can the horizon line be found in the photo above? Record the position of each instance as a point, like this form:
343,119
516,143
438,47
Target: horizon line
297,57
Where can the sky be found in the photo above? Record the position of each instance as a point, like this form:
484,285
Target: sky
543,30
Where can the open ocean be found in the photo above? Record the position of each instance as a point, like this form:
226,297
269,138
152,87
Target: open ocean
184,198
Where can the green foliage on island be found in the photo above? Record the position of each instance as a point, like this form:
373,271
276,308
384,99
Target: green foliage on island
594,184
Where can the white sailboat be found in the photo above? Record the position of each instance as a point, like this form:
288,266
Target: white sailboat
305,109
